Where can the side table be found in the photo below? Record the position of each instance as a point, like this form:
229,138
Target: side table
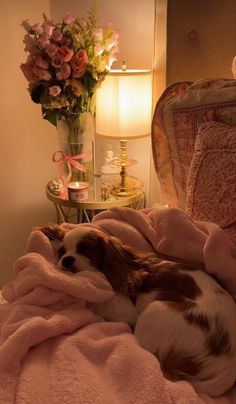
82,212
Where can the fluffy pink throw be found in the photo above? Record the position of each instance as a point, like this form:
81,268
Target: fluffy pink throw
54,349
172,234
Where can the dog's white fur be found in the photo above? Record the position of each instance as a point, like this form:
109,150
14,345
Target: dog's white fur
164,330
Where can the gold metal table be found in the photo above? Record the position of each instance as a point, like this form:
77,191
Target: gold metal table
82,212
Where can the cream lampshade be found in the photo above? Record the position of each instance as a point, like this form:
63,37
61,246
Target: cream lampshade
123,110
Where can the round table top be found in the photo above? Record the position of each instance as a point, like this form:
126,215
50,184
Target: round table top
95,200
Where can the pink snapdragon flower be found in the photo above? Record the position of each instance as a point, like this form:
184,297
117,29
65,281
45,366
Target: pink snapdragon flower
56,35
64,72
54,91
65,53
47,28
37,28
27,70
79,63
30,44
26,25
69,18
44,75
51,50
43,40
40,62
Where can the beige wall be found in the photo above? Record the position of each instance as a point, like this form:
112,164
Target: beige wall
27,142
201,39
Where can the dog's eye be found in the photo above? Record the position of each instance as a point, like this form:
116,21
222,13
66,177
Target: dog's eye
61,251
83,248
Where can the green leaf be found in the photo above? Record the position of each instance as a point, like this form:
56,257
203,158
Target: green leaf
50,116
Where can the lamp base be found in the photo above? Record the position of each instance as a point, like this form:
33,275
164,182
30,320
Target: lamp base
123,194
132,185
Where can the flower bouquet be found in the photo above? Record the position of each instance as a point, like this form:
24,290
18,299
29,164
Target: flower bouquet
66,63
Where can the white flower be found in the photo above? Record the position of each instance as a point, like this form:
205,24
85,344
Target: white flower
98,49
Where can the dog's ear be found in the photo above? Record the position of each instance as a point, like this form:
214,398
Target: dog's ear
53,231
116,261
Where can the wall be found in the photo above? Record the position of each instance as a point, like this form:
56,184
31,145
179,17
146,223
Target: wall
135,21
27,142
201,39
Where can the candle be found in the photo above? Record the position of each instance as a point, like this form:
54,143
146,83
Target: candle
78,191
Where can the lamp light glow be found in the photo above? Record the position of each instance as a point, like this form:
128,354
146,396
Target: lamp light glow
123,109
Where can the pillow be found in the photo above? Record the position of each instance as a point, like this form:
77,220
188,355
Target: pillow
211,185
181,109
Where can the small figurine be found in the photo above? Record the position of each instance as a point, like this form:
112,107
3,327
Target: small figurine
56,186
108,168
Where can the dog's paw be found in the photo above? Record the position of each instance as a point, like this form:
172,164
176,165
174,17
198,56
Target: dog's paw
53,231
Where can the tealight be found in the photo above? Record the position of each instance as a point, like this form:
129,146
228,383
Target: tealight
78,191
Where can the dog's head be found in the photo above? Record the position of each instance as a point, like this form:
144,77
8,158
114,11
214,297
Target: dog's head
89,249
80,250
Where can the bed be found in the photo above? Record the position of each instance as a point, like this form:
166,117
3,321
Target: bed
54,348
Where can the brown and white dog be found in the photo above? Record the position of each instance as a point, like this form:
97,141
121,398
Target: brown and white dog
184,317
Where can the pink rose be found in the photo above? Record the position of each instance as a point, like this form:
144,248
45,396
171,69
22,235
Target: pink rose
56,61
54,91
64,72
65,53
77,88
79,63
56,35
69,18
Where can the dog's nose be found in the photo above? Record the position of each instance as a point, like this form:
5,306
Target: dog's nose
67,262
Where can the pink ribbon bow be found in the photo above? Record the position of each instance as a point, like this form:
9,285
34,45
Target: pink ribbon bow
60,158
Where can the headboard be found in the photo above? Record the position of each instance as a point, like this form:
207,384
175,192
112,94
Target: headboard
194,148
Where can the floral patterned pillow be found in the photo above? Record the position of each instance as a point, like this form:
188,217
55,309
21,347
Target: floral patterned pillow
180,111
211,184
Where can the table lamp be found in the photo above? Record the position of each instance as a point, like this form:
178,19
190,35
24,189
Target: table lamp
123,111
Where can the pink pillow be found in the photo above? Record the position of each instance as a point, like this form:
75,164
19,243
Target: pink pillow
211,185
181,109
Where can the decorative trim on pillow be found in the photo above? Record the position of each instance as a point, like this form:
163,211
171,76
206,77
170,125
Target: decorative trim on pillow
180,111
211,184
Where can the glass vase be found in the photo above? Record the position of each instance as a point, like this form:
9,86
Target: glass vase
76,141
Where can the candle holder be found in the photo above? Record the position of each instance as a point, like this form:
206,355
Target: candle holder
78,191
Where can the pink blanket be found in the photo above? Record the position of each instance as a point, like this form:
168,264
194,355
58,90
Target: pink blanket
54,349
172,234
